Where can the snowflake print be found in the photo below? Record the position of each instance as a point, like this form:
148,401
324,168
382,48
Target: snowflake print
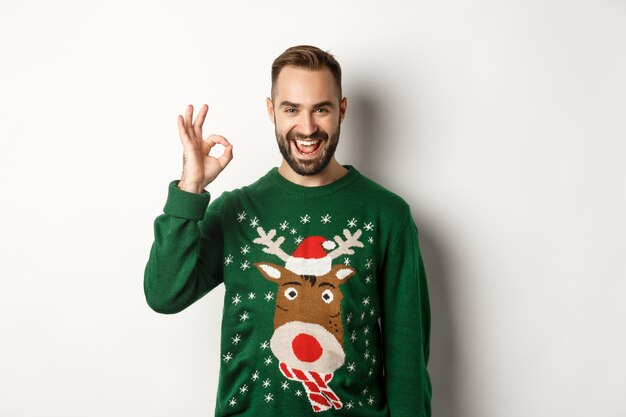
236,299
362,315
368,279
245,265
255,375
366,301
251,296
245,250
228,357
349,405
293,231
326,219
361,403
265,345
244,316
268,360
284,385
365,391
228,260
298,240
370,239
305,219
284,225
353,336
367,343
269,296
351,367
373,360
366,331
370,400
254,222
236,339
243,389
299,393
241,216
367,354
368,226
346,261
268,398
267,383
348,318
368,264
352,222
232,402
372,311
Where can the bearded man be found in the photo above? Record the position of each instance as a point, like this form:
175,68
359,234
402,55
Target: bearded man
326,304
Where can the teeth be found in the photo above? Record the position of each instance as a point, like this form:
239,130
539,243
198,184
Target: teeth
307,142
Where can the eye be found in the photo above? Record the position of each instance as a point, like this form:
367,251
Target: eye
291,293
290,110
322,110
327,296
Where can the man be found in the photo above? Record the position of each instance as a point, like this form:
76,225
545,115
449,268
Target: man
313,257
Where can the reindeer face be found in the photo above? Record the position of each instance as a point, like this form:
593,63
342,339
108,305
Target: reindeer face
308,330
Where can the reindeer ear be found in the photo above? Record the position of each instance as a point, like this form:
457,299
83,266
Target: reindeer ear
343,272
270,271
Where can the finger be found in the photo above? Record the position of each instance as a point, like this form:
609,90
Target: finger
227,155
219,139
188,118
184,138
197,125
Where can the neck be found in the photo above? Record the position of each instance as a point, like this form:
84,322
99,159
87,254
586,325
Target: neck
331,173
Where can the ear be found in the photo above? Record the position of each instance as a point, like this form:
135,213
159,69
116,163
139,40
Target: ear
343,106
271,272
342,272
270,108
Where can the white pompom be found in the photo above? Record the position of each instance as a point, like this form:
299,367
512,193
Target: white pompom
329,245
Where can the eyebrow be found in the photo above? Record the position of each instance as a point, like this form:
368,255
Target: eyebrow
326,284
286,103
292,283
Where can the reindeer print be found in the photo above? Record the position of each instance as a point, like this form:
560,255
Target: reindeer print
308,328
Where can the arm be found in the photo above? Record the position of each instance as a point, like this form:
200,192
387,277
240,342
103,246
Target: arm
186,257
406,326
185,260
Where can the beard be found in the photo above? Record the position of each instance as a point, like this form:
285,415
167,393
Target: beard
306,167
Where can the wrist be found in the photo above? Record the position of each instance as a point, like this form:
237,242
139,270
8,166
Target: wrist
190,187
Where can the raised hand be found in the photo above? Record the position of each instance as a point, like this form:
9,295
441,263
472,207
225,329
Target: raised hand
199,168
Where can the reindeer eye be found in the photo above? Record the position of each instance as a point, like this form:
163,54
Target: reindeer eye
291,293
327,296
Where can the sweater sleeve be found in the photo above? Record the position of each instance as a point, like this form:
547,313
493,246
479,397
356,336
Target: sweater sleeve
185,261
405,326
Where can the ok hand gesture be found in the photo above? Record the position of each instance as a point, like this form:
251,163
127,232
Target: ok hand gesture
199,168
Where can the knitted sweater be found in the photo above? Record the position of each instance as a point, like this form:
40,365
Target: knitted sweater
326,308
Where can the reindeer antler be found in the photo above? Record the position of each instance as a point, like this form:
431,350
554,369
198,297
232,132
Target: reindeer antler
343,248
272,246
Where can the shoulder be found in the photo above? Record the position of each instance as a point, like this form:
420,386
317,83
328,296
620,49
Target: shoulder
379,196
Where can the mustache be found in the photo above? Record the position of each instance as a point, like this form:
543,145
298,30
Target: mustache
318,134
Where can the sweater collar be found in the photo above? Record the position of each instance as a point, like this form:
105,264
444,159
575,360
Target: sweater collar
322,190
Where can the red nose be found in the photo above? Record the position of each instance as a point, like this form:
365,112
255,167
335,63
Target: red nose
306,348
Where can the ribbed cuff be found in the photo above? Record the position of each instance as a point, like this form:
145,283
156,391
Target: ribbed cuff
184,204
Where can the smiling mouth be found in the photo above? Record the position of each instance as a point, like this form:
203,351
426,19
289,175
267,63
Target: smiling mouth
307,146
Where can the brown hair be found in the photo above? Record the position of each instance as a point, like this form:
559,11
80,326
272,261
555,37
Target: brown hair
309,57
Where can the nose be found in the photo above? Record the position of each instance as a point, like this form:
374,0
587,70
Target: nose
306,348
307,124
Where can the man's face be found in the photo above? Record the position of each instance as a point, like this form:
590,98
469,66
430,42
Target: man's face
307,113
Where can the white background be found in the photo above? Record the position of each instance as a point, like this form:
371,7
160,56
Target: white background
502,123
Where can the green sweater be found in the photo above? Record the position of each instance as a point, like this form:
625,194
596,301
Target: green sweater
326,308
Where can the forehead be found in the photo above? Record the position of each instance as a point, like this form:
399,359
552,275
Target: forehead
305,86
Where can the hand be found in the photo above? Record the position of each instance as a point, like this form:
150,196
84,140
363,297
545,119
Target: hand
199,168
